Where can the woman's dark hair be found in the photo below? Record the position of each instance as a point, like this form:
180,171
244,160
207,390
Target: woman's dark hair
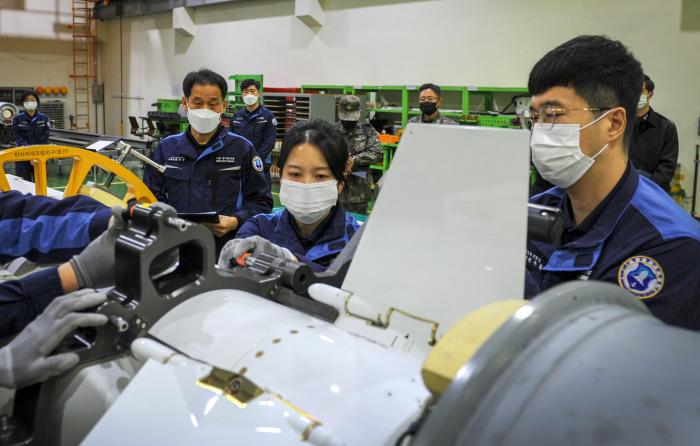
204,76
26,94
323,135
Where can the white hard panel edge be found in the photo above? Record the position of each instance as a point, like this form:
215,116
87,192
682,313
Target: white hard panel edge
448,231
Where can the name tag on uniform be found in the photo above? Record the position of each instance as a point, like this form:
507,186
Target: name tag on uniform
262,120
177,159
225,160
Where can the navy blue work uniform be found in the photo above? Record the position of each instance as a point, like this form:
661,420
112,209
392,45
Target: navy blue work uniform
320,249
638,238
224,176
29,130
47,230
44,230
260,128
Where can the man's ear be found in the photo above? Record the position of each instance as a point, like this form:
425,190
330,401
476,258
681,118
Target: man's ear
650,95
618,120
224,106
184,103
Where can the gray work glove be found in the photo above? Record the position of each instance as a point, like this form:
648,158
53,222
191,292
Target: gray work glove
235,248
26,359
94,267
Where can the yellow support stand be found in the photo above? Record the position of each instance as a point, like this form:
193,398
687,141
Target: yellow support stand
83,162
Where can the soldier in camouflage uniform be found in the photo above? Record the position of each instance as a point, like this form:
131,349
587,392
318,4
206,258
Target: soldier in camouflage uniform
365,149
429,102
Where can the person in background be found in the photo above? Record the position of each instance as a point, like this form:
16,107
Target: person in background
29,127
654,148
364,148
429,102
256,123
314,227
209,169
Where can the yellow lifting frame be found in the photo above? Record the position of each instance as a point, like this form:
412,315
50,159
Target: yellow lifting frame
83,162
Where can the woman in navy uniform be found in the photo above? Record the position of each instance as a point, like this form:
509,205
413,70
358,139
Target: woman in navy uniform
209,169
314,227
29,127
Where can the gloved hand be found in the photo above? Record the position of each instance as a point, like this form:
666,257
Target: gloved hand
94,267
235,248
26,359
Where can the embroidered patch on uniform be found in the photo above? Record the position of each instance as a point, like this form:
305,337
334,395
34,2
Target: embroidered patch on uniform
177,159
641,275
225,159
274,121
257,164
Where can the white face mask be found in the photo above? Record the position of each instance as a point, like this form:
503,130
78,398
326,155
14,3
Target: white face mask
643,102
557,155
250,99
311,202
203,120
30,106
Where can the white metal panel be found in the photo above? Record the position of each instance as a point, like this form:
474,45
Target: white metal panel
448,231
347,381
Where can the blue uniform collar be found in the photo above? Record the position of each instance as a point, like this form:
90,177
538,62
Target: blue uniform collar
332,228
254,113
601,222
197,151
583,253
26,116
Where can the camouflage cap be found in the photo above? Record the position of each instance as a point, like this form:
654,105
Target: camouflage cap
349,108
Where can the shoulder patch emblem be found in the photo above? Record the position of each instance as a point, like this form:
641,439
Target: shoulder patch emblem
641,275
257,163
274,121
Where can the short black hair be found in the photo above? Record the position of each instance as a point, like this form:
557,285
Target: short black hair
28,93
248,83
429,86
648,84
204,76
600,70
322,134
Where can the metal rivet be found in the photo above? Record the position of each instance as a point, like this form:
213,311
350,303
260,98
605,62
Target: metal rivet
243,370
294,331
276,341
259,354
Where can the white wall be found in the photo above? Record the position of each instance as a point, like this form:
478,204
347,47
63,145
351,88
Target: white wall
35,46
473,42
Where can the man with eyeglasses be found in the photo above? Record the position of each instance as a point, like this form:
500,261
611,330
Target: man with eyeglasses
429,103
619,226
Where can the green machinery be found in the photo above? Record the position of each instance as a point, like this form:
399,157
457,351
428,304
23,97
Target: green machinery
396,104
167,118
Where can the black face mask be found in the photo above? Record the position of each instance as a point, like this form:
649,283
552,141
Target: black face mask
348,125
428,108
